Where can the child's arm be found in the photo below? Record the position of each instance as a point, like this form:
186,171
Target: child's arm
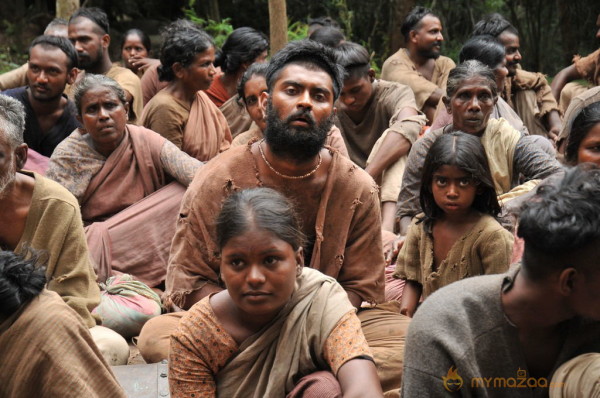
410,298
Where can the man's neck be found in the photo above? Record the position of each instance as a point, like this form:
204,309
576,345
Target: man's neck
533,305
102,67
43,108
417,58
287,164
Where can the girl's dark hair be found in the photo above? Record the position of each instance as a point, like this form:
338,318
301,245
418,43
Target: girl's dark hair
486,49
582,124
143,37
182,42
263,208
243,45
465,152
256,69
21,279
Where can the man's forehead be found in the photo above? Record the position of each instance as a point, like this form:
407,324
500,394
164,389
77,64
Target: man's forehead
48,53
84,25
305,73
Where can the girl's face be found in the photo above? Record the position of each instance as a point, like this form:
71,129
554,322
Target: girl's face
453,190
253,88
260,271
589,148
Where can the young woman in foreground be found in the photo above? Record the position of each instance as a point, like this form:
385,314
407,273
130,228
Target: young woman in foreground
279,329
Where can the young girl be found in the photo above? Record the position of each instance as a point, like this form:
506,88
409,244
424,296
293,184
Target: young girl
279,329
457,235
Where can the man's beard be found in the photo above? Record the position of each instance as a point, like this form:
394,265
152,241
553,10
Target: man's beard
430,52
295,142
512,68
7,180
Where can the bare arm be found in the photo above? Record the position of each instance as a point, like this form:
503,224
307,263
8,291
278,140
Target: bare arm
554,125
394,146
430,105
563,77
410,298
358,378
179,164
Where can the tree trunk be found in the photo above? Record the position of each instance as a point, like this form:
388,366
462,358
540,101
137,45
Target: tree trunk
64,8
400,11
569,35
213,10
278,24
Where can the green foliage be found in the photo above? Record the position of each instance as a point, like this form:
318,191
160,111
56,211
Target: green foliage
297,30
346,17
219,30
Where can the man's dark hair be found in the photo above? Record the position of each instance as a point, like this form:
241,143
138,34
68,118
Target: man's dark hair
309,54
493,25
242,46
21,279
354,58
486,49
182,42
94,14
56,22
413,20
256,69
61,43
323,21
560,219
328,36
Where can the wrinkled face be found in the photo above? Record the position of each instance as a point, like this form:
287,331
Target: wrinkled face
299,111
428,37
88,41
512,47
589,148
104,117
453,190
356,94
48,74
8,166
253,88
133,47
260,271
471,105
500,71
200,73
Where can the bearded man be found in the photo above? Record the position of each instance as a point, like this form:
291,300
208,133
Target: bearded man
420,65
336,200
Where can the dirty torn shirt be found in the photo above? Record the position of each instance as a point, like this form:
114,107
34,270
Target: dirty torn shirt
347,231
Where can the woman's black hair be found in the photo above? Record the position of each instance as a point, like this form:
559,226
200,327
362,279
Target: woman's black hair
263,208
485,48
328,36
467,70
256,69
183,41
21,279
242,46
582,124
466,152
143,37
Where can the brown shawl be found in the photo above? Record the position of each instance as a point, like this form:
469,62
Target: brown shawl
206,133
272,361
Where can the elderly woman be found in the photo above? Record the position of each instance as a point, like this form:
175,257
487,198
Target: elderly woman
182,112
471,95
252,85
279,329
110,166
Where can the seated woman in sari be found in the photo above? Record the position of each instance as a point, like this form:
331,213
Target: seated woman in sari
110,166
181,112
279,328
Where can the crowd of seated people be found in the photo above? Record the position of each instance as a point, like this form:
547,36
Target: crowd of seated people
308,228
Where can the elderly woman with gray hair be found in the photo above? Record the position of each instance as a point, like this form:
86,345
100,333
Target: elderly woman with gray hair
471,94
119,173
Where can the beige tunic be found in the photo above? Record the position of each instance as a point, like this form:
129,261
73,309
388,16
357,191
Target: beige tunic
399,68
485,249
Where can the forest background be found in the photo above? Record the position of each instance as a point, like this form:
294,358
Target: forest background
551,31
